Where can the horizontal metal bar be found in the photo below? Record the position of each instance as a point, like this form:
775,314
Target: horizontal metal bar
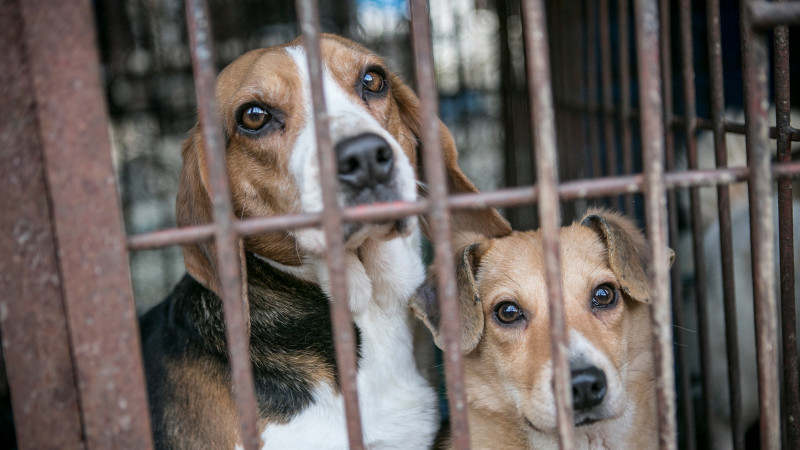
768,14
570,190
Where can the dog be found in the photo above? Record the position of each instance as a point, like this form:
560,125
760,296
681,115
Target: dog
271,154
505,336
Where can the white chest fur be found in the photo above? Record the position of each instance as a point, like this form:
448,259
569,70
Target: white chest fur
398,408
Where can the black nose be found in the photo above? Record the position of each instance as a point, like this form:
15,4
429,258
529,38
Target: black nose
588,387
364,161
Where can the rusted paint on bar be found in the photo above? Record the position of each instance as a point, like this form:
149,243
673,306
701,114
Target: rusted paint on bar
723,206
231,277
537,60
439,220
769,14
756,61
36,348
344,333
791,380
700,283
650,105
61,49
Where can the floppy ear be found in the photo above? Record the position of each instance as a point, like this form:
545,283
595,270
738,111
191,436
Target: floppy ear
193,207
425,303
627,251
485,222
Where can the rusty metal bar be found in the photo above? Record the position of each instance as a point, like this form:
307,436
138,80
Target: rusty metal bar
607,94
61,52
570,190
791,380
591,79
700,282
344,334
723,209
231,278
755,62
684,380
652,125
769,14
39,365
439,219
537,60
625,94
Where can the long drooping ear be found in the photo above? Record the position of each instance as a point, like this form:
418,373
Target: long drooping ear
193,207
425,303
485,222
627,251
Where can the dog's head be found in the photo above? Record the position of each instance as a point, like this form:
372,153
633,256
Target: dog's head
506,325
266,115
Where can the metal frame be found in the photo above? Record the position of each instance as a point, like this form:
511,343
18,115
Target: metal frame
76,329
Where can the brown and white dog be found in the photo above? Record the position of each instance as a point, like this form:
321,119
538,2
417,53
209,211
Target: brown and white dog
265,112
506,337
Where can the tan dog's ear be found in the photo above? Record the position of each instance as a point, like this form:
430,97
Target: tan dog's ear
627,251
484,222
425,303
193,207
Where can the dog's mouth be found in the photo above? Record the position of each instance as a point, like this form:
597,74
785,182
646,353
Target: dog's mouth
355,233
580,420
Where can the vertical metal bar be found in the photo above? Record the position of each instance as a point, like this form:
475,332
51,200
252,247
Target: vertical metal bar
537,60
625,95
332,225
36,342
608,94
690,130
755,60
651,108
724,212
61,49
231,278
591,74
439,219
791,379
684,377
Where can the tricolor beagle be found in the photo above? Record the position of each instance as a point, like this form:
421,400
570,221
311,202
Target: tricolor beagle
506,337
265,112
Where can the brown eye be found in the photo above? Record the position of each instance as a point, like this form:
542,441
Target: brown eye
507,312
604,296
254,118
373,82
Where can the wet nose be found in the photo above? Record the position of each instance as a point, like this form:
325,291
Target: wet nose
588,387
364,161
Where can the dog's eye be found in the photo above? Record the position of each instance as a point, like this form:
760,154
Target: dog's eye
373,82
507,312
254,118
604,296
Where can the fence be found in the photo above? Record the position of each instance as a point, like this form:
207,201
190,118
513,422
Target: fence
68,324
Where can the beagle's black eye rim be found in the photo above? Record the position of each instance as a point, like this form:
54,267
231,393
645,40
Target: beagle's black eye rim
604,296
372,83
508,312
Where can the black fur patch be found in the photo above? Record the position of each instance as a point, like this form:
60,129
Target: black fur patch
291,342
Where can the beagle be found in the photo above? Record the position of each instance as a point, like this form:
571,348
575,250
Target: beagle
506,337
265,114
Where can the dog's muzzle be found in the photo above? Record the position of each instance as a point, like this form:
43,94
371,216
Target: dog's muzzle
366,173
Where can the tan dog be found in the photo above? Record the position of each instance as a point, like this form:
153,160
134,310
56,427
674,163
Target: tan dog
506,337
265,113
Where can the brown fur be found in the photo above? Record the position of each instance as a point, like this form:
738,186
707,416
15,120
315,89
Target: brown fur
261,184
507,368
